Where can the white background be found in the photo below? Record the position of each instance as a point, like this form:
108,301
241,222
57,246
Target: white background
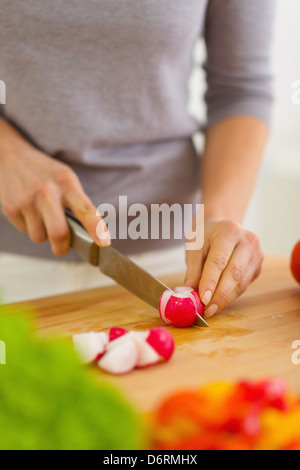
274,211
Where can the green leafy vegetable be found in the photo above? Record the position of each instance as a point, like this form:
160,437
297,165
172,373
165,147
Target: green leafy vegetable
49,401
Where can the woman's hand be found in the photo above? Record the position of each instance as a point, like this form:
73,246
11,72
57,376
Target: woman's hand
34,191
229,261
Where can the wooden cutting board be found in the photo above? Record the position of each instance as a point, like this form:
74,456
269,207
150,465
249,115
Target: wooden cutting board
251,339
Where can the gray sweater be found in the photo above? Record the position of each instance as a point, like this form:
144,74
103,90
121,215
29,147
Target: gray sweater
102,85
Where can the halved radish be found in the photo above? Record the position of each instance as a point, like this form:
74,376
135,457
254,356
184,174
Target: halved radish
90,346
121,355
180,306
147,354
115,332
161,341
155,345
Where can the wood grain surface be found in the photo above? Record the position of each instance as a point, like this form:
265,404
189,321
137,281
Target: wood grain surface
251,339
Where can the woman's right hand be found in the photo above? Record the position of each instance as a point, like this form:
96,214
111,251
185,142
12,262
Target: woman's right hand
35,189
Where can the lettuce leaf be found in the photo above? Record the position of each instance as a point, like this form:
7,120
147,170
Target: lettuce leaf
49,401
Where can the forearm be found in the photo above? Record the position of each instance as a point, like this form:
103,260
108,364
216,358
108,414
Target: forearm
231,161
35,189
11,141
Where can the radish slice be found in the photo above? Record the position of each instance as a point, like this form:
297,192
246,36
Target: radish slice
162,342
90,346
115,332
147,354
121,357
180,307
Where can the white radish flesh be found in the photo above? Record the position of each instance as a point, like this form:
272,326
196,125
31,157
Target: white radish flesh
119,340
163,304
121,358
147,355
90,346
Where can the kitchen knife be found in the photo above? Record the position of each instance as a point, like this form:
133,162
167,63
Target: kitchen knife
117,266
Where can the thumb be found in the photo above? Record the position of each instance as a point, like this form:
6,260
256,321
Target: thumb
194,265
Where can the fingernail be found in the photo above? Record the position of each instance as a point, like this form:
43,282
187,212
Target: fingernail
206,298
212,310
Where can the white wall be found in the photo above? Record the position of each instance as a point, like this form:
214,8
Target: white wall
274,212
285,137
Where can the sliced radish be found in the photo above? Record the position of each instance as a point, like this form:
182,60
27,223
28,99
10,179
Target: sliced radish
121,356
147,354
161,341
115,332
180,306
121,351
90,346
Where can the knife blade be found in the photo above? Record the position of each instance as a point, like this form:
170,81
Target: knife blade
131,276
117,266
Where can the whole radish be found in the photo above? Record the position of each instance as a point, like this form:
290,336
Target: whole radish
179,307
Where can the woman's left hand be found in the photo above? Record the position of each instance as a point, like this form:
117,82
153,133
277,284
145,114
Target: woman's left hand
229,261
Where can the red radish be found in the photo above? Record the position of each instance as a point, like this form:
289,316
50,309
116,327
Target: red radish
90,346
180,306
162,341
121,356
115,332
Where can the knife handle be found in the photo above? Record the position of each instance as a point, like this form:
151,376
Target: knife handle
81,241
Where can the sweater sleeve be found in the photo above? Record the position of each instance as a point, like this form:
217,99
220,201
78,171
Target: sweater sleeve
238,36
